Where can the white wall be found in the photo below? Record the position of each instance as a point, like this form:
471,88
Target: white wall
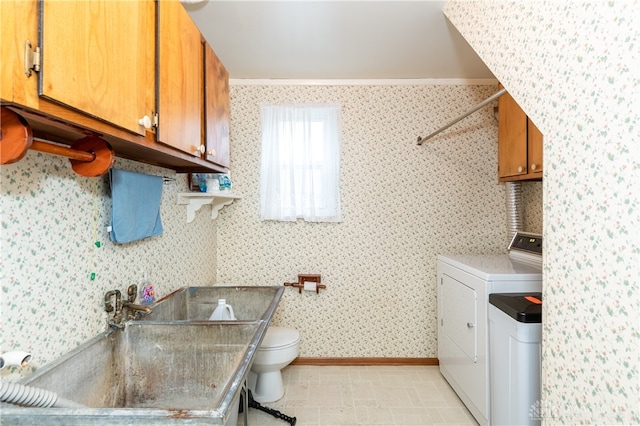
573,67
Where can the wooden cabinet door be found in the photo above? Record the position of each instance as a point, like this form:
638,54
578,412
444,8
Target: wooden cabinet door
180,79
18,23
95,58
534,140
216,109
512,138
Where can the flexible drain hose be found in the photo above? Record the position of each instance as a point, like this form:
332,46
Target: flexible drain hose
18,394
514,208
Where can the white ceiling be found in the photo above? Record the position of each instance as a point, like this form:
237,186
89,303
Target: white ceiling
313,40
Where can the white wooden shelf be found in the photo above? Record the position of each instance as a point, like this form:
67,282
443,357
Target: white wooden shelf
195,200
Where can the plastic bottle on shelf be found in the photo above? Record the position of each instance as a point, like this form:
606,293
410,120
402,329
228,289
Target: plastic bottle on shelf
225,182
147,292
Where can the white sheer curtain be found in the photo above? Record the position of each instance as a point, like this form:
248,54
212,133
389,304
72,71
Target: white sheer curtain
300,162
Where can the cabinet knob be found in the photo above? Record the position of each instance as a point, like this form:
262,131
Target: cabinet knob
145,122
534,166
211,152
470,325
198,149
520,169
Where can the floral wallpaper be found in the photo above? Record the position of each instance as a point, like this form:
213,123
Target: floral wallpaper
51,222
402,205
532,206
573,67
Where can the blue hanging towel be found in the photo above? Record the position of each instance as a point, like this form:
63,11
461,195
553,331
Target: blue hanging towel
136,206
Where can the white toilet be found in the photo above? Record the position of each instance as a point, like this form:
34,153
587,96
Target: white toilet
278,348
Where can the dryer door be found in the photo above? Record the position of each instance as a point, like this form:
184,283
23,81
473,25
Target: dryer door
459,315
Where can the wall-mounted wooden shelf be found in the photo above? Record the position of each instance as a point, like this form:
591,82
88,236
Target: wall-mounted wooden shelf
195,200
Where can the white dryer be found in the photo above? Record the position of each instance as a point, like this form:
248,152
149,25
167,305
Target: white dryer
464,284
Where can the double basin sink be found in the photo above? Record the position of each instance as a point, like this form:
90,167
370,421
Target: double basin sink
172,366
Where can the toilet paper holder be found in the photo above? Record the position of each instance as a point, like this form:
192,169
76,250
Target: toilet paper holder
311,280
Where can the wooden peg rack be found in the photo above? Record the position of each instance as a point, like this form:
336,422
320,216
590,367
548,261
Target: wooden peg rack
90,156
302,278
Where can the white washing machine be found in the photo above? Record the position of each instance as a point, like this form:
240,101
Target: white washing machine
515,334
464,285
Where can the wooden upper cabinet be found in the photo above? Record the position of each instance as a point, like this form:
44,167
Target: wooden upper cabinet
534,147
519,143
216,109
107,64
180,79
512,138
97,58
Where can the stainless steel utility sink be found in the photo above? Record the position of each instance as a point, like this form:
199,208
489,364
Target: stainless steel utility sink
149,373
173,366
197,303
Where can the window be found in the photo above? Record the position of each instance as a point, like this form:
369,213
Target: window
300,163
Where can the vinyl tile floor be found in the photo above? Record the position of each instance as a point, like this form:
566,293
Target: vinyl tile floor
368,395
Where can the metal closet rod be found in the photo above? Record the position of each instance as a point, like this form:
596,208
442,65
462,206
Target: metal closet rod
490,99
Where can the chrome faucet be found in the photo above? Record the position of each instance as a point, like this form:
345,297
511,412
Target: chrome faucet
132,309
116,309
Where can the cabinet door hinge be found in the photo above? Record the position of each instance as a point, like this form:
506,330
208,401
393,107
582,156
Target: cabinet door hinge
31,58
154,120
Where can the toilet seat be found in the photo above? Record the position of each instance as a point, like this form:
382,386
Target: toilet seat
278,338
